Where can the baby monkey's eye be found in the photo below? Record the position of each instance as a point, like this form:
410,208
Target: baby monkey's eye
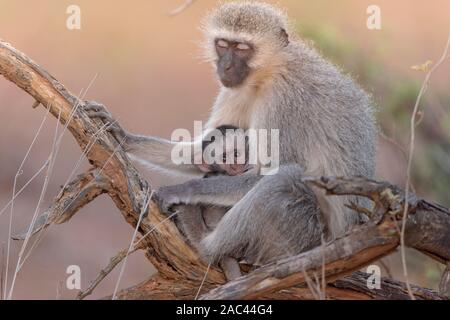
243,46
222,44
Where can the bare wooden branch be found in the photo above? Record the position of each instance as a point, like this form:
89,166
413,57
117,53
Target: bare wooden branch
389,289
352,287
180,270
357,249
342,257
167,249
427,226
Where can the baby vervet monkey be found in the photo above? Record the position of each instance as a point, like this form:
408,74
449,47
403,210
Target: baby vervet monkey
221,155
270,79
225,150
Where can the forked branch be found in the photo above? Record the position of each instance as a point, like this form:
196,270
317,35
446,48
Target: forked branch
180,270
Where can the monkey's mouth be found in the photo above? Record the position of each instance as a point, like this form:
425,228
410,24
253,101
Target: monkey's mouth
232,76
231,81
228,83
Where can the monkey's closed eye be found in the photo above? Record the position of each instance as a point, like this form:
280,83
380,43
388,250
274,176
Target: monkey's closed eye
243,46
222,44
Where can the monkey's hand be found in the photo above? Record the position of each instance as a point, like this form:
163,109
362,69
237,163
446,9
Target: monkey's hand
97,110
168,198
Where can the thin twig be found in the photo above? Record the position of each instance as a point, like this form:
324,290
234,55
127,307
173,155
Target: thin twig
154,228
51,159
318,286
16,177
117,148
183,7
410,160
59,289
203,282
18,193
386,268
324,282
402,150
148,198
311,286
445,280
118,258
394,143
2,271
35,104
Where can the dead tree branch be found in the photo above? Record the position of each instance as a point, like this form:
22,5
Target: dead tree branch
342,257
180,270
352,287
167,250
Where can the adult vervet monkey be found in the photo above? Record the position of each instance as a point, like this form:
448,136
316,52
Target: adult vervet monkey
270,80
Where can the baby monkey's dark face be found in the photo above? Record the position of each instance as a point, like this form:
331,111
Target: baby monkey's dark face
233,59
223,154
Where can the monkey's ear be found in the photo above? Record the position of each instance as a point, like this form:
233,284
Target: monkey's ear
284,37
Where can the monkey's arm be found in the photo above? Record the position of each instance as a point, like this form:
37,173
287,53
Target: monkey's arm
156,153
222,191
151,151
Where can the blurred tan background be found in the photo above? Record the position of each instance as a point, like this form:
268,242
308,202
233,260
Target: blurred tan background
152,79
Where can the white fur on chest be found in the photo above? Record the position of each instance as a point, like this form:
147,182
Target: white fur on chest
235,107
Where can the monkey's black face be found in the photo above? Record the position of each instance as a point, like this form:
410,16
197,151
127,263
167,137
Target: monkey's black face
232,65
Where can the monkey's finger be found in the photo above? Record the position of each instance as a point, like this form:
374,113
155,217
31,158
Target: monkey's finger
118,133
106,117
115,129
165,207
92,106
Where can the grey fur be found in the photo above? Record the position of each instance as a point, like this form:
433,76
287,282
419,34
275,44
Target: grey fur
196,222
278,217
